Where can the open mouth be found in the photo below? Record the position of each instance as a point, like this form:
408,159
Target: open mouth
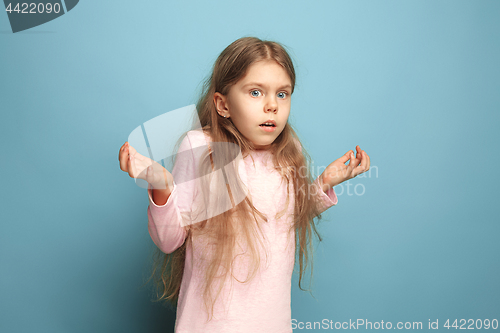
268,126
268,123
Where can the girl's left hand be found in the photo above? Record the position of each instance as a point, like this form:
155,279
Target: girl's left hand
337,172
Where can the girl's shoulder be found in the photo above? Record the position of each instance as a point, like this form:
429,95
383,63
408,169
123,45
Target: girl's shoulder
198,138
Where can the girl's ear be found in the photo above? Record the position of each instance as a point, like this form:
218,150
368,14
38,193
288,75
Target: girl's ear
220,102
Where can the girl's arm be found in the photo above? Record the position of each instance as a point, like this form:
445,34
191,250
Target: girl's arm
164,223
327,197
166,208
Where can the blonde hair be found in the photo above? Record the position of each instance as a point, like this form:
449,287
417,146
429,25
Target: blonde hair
231,65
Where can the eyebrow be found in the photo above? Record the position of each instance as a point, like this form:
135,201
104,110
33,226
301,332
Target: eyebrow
264,86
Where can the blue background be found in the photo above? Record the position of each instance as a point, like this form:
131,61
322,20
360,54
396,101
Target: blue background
414,83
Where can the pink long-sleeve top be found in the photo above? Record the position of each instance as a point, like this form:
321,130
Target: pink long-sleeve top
264,303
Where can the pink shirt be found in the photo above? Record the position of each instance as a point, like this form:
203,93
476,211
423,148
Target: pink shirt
264,303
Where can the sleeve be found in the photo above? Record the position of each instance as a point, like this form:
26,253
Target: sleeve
166,223
327,199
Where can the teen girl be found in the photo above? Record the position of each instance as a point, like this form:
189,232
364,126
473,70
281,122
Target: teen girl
226,259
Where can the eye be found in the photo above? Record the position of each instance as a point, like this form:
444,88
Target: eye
255,93
282,94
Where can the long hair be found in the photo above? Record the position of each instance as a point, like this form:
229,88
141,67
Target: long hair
224,229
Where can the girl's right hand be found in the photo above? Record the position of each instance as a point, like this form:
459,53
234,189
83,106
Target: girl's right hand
139,166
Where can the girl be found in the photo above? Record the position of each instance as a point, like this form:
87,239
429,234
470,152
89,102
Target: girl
228,225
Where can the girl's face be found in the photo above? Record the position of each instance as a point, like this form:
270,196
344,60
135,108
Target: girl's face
262,95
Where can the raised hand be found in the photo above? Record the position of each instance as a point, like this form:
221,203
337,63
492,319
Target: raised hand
338,172
139,166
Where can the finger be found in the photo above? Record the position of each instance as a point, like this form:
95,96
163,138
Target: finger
364,163
132,156
140,160
358,153
131,166
355,159
358,170
125,145
359,156
345,157
352,164
132,150
367,160
364,166
123,157
349,172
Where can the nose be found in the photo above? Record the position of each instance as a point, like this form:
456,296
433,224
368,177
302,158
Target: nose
271,105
